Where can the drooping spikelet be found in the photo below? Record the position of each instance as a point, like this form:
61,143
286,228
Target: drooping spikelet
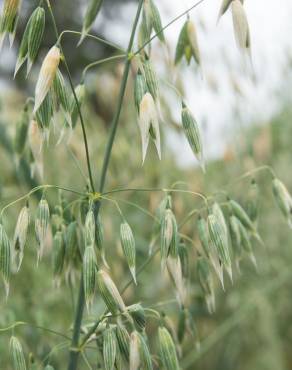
17,354
129,248
5,258
20,235
109,292
47,75
148,123
167,350
109,348
42,222
8,20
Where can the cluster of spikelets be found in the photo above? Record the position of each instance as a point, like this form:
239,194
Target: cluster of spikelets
78,242
225,237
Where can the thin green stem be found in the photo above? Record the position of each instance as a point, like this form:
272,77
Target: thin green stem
23,323
255,170
75,98
103,41
165,190
167,25
74,352
98,62
37,188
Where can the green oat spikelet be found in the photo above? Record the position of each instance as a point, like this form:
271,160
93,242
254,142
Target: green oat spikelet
42,222
167,234
80,94
20,138
246,243
8,20
152,20
99,239
58,256
23,48
140,89
89,229
218,238
62,96
241,214
283,199
109,348
167,350
223,9
193,135
235,236
151,78
17,354
5,258
187,44
138,315
109,293
206,282
20,235
145,355
92,11
123,339
89,274
35,35
129,248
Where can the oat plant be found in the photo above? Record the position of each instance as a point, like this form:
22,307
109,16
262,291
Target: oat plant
73,233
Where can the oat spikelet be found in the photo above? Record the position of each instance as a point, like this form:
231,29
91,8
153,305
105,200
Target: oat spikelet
36,140
240,25
47,75
109,292
109,348
8,20
167,350
148,123
42,222
17,354
89,274
129,248
5,258
135,360
20,235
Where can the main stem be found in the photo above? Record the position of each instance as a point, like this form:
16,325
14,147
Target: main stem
74,352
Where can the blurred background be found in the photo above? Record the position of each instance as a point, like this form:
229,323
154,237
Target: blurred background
245,116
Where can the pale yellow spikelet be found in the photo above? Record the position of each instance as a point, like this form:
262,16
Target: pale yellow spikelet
240,25
148,120
192,35
134,351
36,140
47,75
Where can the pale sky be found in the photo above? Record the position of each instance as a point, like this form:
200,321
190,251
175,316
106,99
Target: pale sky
271,30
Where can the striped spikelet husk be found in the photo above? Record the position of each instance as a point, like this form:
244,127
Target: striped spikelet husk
5,258
17,354
129,247
109,348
